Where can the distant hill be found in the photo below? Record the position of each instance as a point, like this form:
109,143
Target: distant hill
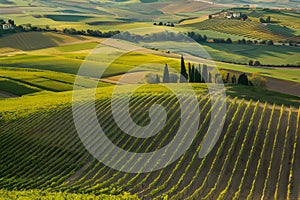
262,3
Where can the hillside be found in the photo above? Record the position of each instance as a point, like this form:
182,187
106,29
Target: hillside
262,3
35,40
256,156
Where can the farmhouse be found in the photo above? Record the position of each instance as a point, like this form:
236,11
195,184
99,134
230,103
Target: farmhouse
7,26
233,15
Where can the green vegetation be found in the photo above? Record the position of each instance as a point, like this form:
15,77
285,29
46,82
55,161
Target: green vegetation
20,81
42,155
46,195
15,87
67,18
60,161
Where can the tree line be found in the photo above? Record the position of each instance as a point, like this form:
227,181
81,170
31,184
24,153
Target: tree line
203,74
71,31
199,38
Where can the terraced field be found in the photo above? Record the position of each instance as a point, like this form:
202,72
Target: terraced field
249,29
257,155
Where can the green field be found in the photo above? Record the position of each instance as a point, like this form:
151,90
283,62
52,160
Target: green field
268,55
22,81
43,156
247,29
54,158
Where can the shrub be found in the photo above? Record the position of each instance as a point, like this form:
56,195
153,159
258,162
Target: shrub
251,62
258,81
243,79
256,63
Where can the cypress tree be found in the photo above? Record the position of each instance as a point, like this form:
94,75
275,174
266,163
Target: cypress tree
233,79
204,73
192,78
209,77
190,72
166,77
184,75
216,77
197,76
200,74
157,79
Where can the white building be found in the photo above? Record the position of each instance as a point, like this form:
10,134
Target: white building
7,26
230,15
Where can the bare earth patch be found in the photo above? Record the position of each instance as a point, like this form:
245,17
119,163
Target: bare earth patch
6,95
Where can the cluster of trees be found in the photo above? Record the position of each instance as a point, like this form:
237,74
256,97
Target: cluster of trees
267,20
195,74
254,63
153,37
243,79
164,24
29,27
221,40
10,21
14,29
89,32
204,74
250,42
199,38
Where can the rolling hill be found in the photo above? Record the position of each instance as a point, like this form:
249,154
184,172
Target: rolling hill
257,155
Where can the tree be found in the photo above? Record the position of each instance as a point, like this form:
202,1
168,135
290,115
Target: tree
244,17
243,79
233,79
268,20
270,42
157,79
192,78
243,41
216,77
12,22
256,63
229,41
209,77
262,20
200,74
227,78
184,75
197,76
166,77
190,71
204,38
258,81
205,73
251,62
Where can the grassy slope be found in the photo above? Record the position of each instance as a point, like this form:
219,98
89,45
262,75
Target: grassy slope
59,156
68,59
267,55
21,81
35,40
